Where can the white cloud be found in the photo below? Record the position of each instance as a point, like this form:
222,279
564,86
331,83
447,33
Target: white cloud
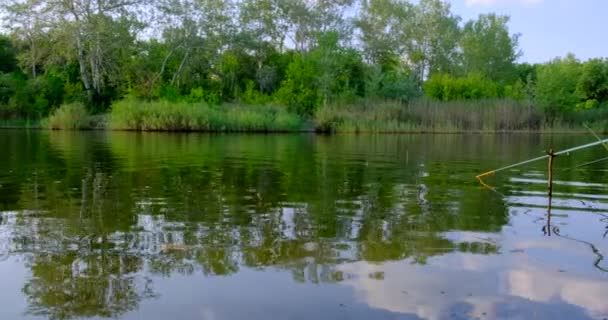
496,2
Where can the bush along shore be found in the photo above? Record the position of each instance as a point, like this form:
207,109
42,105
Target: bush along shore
418,116
235,66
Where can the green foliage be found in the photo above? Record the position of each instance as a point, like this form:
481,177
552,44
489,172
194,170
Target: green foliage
71,116
473,87
8,59
556,86
253,97
516,91
327,73
196,95
298,91
489,49
592,86
7,88
390,84
170,93
73,92
304,56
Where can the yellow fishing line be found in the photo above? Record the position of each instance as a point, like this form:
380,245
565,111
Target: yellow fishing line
554,154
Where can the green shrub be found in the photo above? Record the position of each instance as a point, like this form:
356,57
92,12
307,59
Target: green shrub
516,91
556,86
253,97
170,93
298,91
70,116
445,87
390,85
196,95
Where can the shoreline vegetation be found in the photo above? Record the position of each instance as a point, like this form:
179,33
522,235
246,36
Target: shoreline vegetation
284,66
419,116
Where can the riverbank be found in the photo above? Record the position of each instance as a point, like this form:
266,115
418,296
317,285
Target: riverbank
421,116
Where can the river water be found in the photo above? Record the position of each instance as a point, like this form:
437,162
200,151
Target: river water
202,226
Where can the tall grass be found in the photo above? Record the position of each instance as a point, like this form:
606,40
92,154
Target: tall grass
71,116
364,116
170,116
458,116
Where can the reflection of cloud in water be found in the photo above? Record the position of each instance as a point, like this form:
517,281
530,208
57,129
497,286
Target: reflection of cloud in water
469,286
427,292
543,286
532,277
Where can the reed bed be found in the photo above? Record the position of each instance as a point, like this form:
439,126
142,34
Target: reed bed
447,117
418,116
167,116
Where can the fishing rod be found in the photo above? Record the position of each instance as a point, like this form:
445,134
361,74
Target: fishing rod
588,163
554,154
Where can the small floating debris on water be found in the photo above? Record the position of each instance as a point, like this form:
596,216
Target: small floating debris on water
172,247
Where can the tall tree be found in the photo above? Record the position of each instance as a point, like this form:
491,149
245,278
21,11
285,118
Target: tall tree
308,19
432,42
381,26
489,49
98,34
264,21
28,22
592,86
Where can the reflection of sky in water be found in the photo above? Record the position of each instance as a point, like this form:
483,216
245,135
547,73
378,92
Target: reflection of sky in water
349,234
549,278
469,286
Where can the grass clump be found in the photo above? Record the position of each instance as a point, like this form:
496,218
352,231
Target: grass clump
72,116
178,116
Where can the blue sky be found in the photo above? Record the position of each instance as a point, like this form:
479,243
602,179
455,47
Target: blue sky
549,28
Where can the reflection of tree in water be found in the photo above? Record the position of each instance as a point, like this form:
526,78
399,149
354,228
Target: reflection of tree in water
105,226
75,251
73,285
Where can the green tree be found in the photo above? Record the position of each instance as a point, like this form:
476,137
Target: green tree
27,21
298,91
489,49
432,38
381,30
556,85
8,60
97,34
592,86
474,86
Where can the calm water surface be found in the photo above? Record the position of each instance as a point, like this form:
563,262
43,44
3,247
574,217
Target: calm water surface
191,226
